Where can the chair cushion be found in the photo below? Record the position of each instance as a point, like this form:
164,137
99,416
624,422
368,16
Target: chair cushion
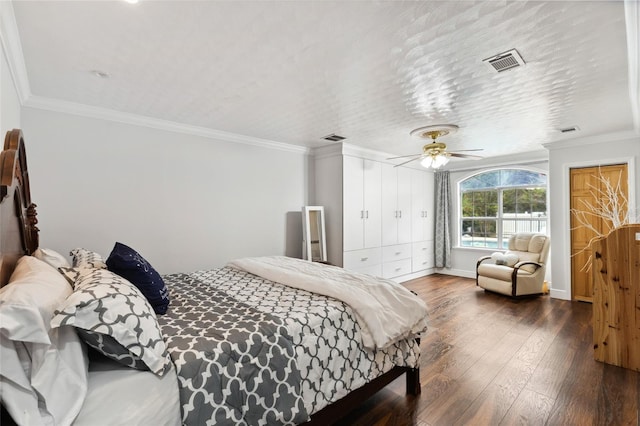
527,242
536,243
519,242
526,256
499,272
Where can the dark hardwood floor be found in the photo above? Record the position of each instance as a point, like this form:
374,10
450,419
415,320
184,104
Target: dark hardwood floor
490,360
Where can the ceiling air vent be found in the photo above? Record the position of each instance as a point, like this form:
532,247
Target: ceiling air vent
334,138
505,61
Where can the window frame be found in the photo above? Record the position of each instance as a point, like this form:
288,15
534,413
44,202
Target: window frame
499,218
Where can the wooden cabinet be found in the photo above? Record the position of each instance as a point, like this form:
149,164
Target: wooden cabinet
616,297
396,205
362,216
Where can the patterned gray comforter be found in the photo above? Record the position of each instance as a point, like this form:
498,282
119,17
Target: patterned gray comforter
250,351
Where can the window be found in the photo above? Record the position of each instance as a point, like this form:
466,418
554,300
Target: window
497,204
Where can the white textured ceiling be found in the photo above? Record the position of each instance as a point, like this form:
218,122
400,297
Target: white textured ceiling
295,71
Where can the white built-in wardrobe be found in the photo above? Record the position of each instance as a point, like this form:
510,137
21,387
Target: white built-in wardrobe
379,218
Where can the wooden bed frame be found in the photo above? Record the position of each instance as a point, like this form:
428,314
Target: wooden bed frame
19,237
18,230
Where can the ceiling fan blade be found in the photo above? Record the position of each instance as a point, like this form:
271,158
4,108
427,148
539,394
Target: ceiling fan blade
455,154
469,150
404,156
413,159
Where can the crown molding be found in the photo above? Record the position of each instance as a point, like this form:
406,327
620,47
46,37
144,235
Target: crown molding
73,108
511,160
591,140
12,48
343,148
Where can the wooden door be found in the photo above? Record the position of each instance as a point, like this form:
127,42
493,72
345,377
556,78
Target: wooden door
586,189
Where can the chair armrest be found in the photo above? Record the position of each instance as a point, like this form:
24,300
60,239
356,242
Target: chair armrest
525,262
482,259
514,274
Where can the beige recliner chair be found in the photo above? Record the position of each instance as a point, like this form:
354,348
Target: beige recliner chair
520,270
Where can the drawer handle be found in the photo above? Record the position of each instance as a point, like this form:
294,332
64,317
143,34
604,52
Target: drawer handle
398,269
398,252
363,259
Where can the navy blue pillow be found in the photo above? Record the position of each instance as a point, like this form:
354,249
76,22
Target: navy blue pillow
128,263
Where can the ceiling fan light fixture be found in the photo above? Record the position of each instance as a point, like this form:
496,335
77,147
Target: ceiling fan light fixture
434,161
439,161
426,162
434,154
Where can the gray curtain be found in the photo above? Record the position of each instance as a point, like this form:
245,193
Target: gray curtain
443,220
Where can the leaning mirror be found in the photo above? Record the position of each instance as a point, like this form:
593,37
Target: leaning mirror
314,247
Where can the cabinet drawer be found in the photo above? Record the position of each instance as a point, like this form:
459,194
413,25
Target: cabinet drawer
396,252
375,270
358,259
422,247
422,262
422,256
396,268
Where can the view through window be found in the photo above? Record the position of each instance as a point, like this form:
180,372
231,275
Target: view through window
499,203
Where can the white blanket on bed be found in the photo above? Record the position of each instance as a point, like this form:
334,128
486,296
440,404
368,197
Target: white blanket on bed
385,310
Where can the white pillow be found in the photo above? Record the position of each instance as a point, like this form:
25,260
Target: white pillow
506,259
116,319
83,258
54,359
52,257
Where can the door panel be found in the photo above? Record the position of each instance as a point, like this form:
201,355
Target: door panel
372,204
353,228
586,189
404,205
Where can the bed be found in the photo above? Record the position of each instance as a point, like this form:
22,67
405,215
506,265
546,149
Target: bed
269,340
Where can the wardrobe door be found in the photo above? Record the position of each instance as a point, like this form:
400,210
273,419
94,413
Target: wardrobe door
353,204
372,179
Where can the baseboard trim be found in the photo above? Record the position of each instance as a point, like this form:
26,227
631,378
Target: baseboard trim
559,294
413,275
456,272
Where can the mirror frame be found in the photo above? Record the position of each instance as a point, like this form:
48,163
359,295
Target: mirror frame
306,236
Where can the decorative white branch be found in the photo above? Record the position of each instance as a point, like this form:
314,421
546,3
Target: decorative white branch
611,205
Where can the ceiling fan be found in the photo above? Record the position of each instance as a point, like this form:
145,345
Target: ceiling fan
435,154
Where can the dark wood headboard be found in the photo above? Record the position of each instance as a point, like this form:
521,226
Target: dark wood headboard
18,230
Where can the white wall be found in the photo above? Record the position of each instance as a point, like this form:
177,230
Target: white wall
184,202
612,149
9,101
463,259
